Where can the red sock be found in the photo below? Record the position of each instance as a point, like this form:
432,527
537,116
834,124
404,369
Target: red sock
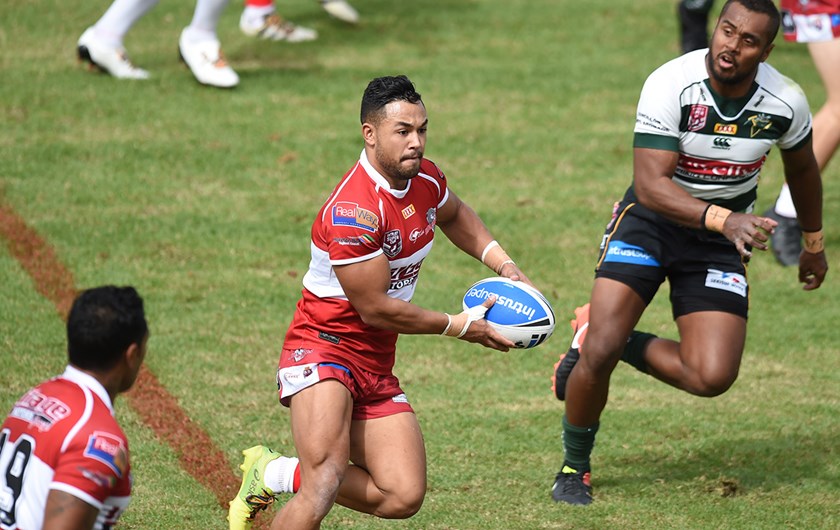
259,3
296,480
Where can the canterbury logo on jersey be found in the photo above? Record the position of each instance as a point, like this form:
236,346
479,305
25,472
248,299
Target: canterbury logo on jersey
722,143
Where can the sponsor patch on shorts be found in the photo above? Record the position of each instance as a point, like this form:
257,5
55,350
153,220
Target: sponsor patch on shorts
293,379
400,398
621,252
727,281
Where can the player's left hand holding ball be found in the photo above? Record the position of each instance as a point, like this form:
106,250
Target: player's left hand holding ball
470,325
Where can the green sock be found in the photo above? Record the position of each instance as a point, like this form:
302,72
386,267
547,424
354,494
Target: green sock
634,351
578,443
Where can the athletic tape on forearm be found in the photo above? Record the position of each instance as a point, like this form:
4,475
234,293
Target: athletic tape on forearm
495,257
813,242
714,216
460,323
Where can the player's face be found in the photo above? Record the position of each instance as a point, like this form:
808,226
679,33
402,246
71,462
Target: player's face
398,141
740,42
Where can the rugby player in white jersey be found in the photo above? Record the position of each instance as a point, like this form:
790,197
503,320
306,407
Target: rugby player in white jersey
704,125
358,441
64,460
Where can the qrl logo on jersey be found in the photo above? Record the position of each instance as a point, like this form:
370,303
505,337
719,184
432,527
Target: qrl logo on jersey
697,117
108,449
392,243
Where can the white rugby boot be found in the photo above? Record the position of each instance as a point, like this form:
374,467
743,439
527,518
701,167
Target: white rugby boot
274,27
341,10
109,59
207,63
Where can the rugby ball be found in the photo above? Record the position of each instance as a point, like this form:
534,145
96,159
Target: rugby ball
521,313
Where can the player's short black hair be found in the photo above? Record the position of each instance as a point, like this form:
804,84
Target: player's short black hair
384,90
766,7
103,323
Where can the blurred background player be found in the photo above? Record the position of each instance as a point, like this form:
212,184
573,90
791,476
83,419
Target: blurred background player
260,19
64,460
101,45
693,16
817,23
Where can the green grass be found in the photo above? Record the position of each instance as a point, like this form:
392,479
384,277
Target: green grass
203,200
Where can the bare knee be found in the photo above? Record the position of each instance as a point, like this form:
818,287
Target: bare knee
319,485
402,504
713,384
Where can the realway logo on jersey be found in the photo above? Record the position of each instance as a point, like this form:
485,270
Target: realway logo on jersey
727,281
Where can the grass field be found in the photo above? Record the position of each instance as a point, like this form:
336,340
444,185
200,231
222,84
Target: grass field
203,200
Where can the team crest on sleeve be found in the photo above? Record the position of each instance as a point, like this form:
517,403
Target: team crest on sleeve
109,450
392,243
351,214
697,117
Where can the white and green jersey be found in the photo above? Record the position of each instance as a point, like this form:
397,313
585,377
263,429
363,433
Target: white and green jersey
722,142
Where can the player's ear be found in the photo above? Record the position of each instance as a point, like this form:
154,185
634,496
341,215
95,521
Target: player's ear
767,51
369,134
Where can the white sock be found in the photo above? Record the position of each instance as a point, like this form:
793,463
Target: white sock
784,204
119,18
280,474
206,17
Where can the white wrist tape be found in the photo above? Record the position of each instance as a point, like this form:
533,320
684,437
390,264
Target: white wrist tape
460,323
495,257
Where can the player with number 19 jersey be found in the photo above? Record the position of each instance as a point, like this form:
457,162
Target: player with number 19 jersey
362,219
62,435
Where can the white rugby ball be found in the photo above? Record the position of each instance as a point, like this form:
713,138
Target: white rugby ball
521,313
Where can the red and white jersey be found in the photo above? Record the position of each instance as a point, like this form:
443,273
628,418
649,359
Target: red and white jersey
62,435
810,20
362,219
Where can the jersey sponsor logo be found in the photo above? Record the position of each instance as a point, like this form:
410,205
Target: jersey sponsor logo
323,335
716,170
367,240
348,241
39,410
351,214
758,123
727,281
726,128
621,252
431,220
100,479
392,243
408,211
697,117
651,122
405,275
721,142
108,449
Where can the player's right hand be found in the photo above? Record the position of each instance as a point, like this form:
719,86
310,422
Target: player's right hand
748,230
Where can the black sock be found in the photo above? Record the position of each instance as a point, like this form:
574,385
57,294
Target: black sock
634,351
578,443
